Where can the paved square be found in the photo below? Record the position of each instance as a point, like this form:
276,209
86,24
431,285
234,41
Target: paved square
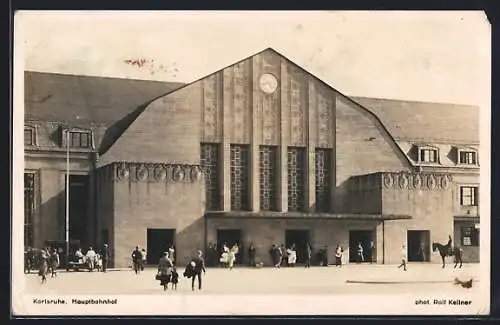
350,279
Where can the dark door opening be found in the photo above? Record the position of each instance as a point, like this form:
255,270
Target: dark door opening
78,208
363,237
300,238
228,237
158,241
418,248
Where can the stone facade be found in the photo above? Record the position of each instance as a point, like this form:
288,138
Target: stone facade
262,135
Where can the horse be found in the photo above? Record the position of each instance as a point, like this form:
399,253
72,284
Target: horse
448,250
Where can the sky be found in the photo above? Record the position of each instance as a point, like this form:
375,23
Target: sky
422,56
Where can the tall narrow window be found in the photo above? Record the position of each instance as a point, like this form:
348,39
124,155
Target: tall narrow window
468,196
240,166
29,136
323,161
268,181
210,166
470,236
296,178
29,208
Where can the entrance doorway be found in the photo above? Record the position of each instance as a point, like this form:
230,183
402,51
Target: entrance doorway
78,200
159,241
418,248
300,238
228,237
365,237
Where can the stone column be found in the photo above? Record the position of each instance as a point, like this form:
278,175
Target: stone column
224,83
284,140
311,146
255,139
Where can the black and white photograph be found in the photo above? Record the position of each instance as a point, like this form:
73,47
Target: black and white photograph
251,163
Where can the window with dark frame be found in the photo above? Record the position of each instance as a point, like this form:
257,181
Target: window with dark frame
296,178
240,177
29,136
268,159
428,155
469,195
79,139
470,236
322,163
468,157
210,166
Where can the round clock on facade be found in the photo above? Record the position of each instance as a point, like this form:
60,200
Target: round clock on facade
268,83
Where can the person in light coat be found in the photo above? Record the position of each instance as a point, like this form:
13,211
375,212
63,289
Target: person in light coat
91,258
292,256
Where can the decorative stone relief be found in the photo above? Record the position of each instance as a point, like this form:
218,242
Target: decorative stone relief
122,172
210,109
196,174
431,182
269,120
403,181
142,173
388,181
176,173
240,104
445,182
324,130
416,181
296,114
160,173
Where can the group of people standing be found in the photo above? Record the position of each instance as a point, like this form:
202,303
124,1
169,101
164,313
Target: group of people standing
167,270
49,262
282,256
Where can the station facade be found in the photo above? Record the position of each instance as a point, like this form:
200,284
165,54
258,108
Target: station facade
259,152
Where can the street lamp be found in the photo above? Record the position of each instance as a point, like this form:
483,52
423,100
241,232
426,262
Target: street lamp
67,198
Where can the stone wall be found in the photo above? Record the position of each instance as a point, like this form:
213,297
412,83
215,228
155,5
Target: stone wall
427,198
158,196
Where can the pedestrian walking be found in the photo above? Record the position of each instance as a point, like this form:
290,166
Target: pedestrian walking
291,256
44,266
251,255
143,259
137,260
360,253
164,273
373,253
338,256
198,265
54,261
105,257
403,258
91,258
308,255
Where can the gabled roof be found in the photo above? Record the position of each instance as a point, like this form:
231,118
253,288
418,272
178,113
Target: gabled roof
430,123
86,101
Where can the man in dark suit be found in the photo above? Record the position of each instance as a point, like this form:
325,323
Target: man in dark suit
137,260
105,257
198,264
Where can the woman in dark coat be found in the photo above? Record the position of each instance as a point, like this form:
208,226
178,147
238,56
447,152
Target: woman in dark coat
44,265
164,270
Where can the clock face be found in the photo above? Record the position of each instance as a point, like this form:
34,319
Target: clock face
268,83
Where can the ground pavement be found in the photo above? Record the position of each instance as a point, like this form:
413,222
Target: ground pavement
350,279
